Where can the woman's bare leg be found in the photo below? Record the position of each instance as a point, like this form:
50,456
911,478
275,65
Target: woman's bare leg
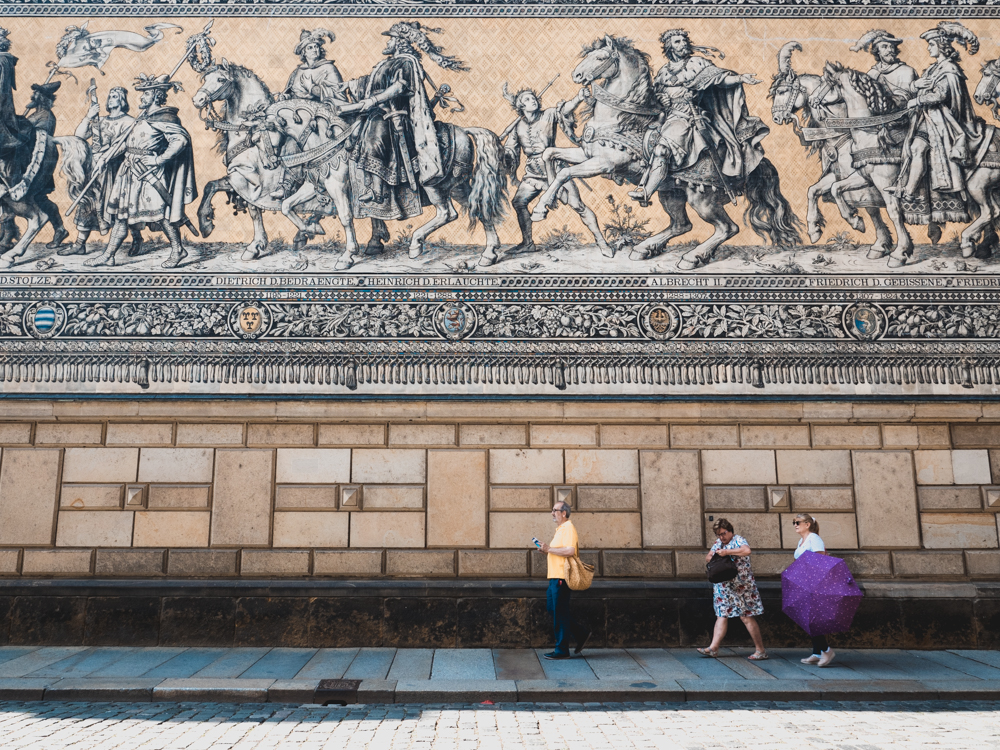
754,629
721,627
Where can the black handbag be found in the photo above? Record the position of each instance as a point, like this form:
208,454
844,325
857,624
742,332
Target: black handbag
721,568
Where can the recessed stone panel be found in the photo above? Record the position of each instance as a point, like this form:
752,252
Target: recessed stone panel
100,465
28,494
492,563
634,435
129,562
201,562
389,466
928,564
492,434
387,529
48,433
602,466
139,433
425,564
193,465
421,434
846,436
761,530
265,563
520,498
671,499
241,499
515,530
607,498
886,499
736,498
774,436
347,563
310,529
739,467
178,496
171,528
303,496
704,436
94,528
814,467
352,434
958,530
456,498
91,496
313,466
12,433
608,530
950,498
281,434
822,498
971,466
56,562
223,435
394,496
526,466
837,530
638,564
563,434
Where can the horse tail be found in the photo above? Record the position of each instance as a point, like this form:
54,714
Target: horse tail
768,212
488,194
76,163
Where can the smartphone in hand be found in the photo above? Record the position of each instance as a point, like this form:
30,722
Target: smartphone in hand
537,543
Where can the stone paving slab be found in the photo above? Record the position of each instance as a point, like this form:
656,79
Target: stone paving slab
290,675
215,690
586,691
455,691
83,689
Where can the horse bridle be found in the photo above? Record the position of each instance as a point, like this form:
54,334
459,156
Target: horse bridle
602,70
214,120
991,73
795,88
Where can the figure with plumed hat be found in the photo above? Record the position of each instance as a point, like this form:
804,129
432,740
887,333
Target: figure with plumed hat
893,73
156,179
945,134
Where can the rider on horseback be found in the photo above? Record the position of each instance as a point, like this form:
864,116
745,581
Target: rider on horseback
316,78
704,110
397,148
946,134
896,75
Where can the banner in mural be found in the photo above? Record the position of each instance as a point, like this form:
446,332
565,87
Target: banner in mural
337,199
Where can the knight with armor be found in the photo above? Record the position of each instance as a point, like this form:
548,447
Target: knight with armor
532,133
946,134
156,178
893,73
397,147
102,133
704,110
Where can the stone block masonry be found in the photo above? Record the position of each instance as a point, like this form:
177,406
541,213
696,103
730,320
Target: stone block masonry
385,490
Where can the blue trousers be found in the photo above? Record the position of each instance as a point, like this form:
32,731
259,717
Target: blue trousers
563,621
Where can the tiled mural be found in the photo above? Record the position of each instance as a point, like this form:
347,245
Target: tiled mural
493,199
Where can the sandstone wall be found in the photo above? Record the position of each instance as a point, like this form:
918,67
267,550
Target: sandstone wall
456,490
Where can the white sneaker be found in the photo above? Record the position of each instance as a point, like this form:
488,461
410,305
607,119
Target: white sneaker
826,657
811,659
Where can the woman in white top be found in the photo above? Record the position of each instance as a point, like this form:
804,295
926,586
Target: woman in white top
807,528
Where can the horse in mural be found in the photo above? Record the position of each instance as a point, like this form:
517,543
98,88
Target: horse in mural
616,144
790,94
252,127
253,174
28,158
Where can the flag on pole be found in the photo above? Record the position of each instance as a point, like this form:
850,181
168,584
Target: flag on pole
79,47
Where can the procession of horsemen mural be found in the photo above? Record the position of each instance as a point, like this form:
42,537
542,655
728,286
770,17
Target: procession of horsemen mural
904,147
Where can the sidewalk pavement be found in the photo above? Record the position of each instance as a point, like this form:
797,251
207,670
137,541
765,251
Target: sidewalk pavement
388,675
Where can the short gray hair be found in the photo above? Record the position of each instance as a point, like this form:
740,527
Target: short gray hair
565,508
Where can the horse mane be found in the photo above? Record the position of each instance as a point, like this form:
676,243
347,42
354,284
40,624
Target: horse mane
238,71
641,92
875,92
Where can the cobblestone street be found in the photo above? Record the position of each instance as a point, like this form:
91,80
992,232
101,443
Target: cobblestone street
827,725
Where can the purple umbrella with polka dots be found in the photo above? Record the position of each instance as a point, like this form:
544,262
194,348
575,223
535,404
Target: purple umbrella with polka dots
819,593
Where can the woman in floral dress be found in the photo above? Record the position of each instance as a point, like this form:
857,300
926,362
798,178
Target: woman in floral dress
738,597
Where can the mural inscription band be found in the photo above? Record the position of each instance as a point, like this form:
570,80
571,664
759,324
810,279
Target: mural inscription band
590,200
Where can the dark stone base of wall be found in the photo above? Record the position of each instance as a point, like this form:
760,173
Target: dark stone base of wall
465,614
